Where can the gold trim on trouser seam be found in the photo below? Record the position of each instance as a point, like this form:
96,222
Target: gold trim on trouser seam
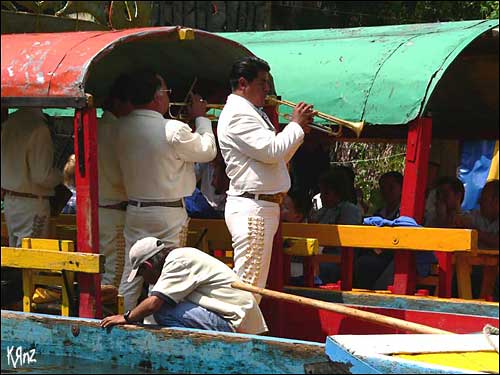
38,226
183,235
120,255
253,258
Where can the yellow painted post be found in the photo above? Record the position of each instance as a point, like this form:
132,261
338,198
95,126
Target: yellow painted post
463,270
27,280
27,290
120,304
185,33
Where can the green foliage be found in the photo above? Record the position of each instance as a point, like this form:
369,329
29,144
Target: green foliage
369,161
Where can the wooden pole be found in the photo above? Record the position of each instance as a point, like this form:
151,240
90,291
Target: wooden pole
359,314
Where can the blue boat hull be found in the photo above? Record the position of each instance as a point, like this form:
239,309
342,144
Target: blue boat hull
165,350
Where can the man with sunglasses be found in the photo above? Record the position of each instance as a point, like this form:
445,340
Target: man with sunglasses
191,290
157,157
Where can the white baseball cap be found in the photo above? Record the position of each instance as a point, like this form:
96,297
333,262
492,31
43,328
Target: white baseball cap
141,251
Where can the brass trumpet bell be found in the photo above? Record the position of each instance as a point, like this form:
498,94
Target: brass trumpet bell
356,127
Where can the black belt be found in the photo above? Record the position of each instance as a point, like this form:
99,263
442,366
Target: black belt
24,195
177,203
274,198
122,206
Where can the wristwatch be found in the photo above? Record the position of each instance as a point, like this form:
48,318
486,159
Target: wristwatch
127,315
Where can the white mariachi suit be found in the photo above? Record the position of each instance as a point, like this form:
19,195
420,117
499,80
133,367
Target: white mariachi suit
157,159
256,160
111,194
27,169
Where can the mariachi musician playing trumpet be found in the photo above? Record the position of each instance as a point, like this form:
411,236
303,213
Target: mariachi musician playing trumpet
256,158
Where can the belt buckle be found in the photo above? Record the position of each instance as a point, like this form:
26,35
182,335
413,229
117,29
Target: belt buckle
279,198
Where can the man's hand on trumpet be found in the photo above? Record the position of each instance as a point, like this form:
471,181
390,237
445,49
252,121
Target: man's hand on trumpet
197,107
303,115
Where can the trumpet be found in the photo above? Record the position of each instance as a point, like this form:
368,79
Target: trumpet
185,104
356,127
183,116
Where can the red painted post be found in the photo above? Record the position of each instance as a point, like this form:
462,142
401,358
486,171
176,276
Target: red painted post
445,261
413,198
308,271
347,262
86,214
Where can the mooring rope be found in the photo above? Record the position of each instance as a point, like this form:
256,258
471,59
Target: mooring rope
489,331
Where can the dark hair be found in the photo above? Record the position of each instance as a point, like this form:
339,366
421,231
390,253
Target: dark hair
456,185
343,175
338,181
301,202
120,89
247,67
396,176
144,84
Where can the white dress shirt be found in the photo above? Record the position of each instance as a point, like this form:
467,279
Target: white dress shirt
157,156
255,155
28,154
111,187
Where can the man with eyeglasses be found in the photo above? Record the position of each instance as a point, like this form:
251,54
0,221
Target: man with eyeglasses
156,157
191,290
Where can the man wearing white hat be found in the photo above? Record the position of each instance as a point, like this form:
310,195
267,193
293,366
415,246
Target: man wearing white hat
191,290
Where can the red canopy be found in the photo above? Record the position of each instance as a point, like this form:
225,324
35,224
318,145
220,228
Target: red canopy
75,63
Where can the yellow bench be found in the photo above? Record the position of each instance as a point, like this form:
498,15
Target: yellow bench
52,262
210,234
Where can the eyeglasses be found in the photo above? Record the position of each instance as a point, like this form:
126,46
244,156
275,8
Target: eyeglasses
168,91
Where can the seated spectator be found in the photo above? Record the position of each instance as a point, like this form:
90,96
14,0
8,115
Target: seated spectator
391,186
449,194
294,209
449,197
485,221
371,264
336,191
69,182
191,290
347,175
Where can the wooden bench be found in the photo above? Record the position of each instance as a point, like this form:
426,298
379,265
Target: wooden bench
445,241
51,262
449,244
488,259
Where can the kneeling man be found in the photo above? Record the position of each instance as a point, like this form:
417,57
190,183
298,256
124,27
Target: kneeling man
191,290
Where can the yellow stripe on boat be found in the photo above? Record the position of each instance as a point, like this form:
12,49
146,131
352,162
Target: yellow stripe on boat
474,361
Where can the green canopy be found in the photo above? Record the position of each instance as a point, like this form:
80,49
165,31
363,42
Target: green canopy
384,75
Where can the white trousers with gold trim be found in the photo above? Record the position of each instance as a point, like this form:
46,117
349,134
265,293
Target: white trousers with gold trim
26,217
168,224
112,244
252,225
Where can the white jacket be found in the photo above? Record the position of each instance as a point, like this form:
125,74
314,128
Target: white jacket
111,187
157,155
255,155
28,154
